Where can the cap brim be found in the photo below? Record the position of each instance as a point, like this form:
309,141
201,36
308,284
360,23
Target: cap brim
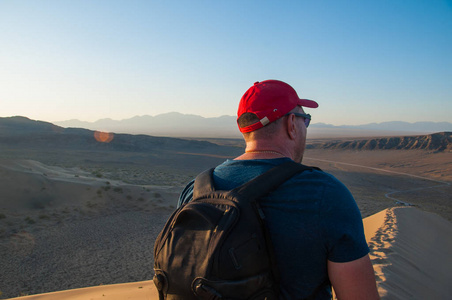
308,103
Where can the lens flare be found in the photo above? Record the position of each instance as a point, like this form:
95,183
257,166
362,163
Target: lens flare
103,137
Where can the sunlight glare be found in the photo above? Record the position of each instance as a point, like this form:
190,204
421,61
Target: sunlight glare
103,137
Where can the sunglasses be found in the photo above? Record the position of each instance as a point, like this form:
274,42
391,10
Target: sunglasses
307,117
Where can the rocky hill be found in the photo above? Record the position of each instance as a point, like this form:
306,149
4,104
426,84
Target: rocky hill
437,142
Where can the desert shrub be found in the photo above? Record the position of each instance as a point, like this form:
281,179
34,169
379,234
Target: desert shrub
30,220
38,204
157,195
98,174
107,188
118,190
129,197
90,205
44,217
2,216
140,199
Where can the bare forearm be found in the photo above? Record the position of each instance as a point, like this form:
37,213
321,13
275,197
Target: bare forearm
353,280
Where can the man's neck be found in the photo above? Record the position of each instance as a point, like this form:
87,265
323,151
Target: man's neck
261,154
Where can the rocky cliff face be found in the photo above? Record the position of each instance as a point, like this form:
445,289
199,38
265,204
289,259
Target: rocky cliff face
437,142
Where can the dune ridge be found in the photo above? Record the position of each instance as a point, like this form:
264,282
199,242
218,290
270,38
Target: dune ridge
410,253
409,248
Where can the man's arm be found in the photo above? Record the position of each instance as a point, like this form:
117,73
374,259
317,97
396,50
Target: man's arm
353,280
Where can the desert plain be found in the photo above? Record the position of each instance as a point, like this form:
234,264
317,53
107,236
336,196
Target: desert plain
72,219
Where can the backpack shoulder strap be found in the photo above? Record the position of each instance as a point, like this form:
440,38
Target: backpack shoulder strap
270,180
262,185
203,184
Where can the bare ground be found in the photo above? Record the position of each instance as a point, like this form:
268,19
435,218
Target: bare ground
102,231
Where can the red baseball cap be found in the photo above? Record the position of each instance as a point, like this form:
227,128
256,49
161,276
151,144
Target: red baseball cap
270,100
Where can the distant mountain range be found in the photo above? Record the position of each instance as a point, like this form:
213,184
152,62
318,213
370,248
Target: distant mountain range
169,124
21,132
181,125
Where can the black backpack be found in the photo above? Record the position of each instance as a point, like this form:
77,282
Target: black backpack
217,245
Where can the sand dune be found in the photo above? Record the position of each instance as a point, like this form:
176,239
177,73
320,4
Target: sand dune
143,290
411,255
410,251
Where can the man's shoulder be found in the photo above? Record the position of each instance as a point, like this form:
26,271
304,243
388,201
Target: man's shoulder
233,173
319,185
315,173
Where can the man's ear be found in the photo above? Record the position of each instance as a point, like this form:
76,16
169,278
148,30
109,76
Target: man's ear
291,126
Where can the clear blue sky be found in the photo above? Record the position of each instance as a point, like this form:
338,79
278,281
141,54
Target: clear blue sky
363,61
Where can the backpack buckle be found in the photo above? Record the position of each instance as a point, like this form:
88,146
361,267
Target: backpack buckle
161,283
204,291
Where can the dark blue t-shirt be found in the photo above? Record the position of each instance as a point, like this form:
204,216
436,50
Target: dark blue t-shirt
312,218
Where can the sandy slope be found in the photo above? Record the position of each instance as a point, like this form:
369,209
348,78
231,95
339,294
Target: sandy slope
411,255
410,251
44,195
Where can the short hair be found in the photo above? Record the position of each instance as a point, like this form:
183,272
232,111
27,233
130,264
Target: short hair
247,119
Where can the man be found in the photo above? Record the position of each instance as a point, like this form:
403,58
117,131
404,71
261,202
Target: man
314,222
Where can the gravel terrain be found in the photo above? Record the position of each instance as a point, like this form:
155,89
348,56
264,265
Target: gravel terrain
105,250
